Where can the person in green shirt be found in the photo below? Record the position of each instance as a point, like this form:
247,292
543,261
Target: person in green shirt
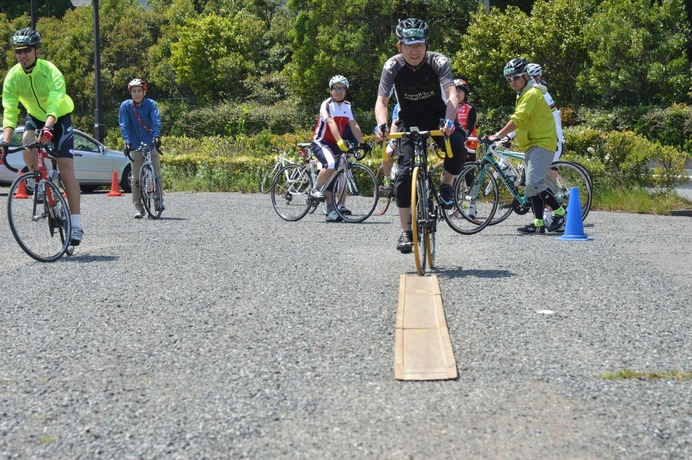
536,136
40,87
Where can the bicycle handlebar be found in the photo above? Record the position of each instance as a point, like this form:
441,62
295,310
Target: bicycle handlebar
416,133
31,145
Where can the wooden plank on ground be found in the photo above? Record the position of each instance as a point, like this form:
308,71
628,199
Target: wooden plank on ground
422,347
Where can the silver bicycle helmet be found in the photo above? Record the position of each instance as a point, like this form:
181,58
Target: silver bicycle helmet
534,70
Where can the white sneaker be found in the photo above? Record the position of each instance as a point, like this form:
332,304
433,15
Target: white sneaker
140,213
76,236
317,194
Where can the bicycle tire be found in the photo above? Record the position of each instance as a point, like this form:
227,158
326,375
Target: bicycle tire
382,201
571,175
41,223
290,192
151,191
361,192
419,218
268,178
430,235
482,191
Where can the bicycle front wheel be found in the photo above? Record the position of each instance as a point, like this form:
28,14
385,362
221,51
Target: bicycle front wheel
476,196
383,201
357,193
290,192
40,222
152,197
419,218
570,175
268,178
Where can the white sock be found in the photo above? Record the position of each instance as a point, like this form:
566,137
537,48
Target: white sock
76,220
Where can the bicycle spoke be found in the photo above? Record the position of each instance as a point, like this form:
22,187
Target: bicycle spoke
476,195
290,192
358,193
40,228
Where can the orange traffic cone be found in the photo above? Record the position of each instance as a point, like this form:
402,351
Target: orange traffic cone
115,187
21,190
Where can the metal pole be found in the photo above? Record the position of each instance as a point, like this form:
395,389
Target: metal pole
33,15
98,112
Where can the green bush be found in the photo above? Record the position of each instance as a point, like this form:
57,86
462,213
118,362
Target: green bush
670,126
244,119
625,159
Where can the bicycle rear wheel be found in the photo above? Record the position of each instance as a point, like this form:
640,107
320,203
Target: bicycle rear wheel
290,192
419,218
358,193
152,198
40,222
475,204
570,175
383,201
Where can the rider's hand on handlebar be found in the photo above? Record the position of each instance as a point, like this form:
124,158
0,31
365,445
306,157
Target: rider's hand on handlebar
3,150
343,146
127,151
447,127
46,134
157,143
381,131
365,147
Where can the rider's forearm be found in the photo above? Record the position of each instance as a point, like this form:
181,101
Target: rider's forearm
508,128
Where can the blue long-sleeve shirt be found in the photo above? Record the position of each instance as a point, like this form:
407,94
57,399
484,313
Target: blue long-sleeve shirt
134,132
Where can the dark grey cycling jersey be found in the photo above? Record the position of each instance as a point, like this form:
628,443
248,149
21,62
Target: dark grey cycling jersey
419,91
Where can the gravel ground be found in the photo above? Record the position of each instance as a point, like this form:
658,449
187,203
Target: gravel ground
222,331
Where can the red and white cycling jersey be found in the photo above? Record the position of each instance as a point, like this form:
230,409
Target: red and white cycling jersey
340,112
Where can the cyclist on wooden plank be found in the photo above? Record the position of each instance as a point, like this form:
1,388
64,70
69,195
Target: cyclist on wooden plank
423,84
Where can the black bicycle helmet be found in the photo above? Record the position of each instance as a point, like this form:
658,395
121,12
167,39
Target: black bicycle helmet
412,30
26,37
515,66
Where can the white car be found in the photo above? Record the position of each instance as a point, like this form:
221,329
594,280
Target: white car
94,163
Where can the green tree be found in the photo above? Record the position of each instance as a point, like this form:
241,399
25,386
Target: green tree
637,53
493,39
51,8
214,55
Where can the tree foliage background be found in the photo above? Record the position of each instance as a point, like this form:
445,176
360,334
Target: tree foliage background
210,62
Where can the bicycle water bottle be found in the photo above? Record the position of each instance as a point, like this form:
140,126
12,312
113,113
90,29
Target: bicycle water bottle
507,169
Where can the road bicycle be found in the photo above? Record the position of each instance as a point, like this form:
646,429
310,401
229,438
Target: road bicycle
425,208
37,211
282,160
387,195
352,183
478,185
152,194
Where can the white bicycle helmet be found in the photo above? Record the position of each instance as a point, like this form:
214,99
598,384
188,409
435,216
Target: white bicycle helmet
534,70
338,79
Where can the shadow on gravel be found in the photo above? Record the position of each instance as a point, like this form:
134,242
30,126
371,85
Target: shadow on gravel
86,258
169,218
489,274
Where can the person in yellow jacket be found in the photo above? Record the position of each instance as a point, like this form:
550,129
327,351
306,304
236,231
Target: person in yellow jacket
537,137
40,87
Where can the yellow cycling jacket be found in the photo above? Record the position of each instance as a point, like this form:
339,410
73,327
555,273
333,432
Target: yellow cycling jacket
41,92
534,120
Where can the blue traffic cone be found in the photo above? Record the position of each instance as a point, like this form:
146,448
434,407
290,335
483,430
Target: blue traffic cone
574,227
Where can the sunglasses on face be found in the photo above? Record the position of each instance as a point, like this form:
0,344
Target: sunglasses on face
23,51
338,88
514,78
